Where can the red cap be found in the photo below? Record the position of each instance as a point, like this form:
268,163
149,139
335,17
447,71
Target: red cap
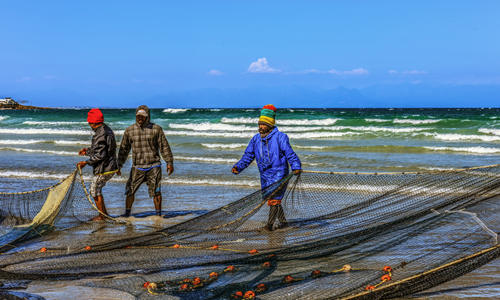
95,116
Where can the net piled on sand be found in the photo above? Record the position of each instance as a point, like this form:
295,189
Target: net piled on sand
350,235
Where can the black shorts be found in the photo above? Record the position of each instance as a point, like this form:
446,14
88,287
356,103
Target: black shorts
151,177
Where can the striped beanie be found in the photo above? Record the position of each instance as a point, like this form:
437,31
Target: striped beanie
268,115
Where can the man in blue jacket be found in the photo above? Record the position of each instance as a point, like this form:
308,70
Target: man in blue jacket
272,151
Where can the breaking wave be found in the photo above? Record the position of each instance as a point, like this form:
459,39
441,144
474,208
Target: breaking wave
489,131
224,146
323,122
415,122
175,110
475,150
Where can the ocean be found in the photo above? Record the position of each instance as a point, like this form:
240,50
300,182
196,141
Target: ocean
40,147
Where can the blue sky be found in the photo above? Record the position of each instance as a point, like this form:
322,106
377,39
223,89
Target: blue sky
244,53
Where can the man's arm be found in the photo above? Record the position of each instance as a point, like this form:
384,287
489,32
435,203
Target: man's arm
246,159
125,146
165,151
290,155
98,152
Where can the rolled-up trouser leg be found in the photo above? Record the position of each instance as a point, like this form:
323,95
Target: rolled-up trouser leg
281,214
273,213
276,211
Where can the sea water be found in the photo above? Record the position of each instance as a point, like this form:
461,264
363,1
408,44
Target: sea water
40,147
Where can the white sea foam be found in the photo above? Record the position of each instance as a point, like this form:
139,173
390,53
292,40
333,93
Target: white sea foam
310,147
465,137
3,118
169,180
189,181
207,159
24,174
209,134
383,129
322,135
49,131
224,146
475,150
65,142
415,122
53,123
39,151
489,131
212,127
20,142
305,135
206,126
279,122
377,120
436,168
175,110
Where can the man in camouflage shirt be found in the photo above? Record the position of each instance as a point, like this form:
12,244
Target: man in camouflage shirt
147,141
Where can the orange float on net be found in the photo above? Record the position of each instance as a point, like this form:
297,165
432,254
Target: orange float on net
214,247
43,250
196,281
229,269
213,275
260,288
184,287
146,284
387,269
176,246
88,248
271,255
186,280
315,273
238,294
249,295
385,277
346,268
370,288
253,251
266,264
288,279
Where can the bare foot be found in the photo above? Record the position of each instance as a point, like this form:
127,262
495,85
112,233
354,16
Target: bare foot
98,218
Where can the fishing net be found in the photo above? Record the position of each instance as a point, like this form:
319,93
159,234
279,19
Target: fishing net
349,235
28,215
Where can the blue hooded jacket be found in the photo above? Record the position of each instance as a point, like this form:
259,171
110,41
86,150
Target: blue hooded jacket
272,153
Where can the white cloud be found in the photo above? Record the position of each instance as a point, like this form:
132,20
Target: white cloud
49,77
357,71
215,72
261,66
392,72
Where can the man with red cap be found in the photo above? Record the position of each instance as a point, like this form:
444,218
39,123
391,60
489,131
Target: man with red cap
102,157
272,151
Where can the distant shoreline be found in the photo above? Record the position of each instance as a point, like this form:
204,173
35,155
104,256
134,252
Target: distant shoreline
9,103
22,107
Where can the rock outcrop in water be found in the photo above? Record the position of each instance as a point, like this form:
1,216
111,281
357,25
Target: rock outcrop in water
9,103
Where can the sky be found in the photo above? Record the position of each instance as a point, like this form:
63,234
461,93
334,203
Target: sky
249,53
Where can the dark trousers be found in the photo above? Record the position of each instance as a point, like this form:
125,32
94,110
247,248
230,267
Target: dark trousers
276,211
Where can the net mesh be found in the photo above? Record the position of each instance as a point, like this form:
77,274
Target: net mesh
349,235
